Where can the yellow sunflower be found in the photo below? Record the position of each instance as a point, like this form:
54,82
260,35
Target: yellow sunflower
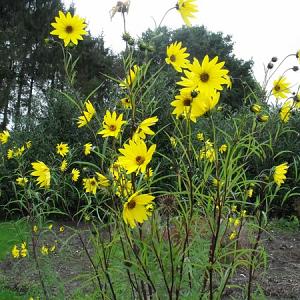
176,56
112,125
64,165
62,149
68,28
130,78
281,87
4,136
205,77
126,103
87,148
42,173
186,104
102,180
135,209
10,153
87,115
90,185
75,174
144,128
187,8
136,156
285,111
279,173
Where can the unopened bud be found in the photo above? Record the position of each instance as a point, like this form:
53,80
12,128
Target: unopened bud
295,68
297,98
142,46
270,65
274,59
194,94
262,118
255,108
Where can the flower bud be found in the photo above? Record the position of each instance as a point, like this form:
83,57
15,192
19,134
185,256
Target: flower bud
295,68
255,108
270,65
194,94
297,98
274,59
262,118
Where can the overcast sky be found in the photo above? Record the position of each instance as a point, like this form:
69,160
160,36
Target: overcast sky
260,29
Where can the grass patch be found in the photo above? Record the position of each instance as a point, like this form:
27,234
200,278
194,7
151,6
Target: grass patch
11,233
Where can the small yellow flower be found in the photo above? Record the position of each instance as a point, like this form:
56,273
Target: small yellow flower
50,226
200,136
87,148
42,173
281,87
21,181
177,57
173,141
236,223
223,148
24,250
28,144
233,208
250,192
126,102
61,229
45,250
131,77
87,114
4,136
102,180
52,248
112,124
279,173
10,154
207,77
187,9
144,128
62,149
90,185
243,213
15,252
35,229
136,156
285,111
69,28
233,235
135,209
64,165
75,174
19,151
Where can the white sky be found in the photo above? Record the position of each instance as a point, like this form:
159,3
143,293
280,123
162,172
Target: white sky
260,28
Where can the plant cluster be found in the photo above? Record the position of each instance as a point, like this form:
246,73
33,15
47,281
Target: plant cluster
174,221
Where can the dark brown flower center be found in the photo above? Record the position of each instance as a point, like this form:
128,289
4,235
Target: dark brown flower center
93,182
172,58
277,88
112,127
187,102
204,77
69,29
131,204
139,160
